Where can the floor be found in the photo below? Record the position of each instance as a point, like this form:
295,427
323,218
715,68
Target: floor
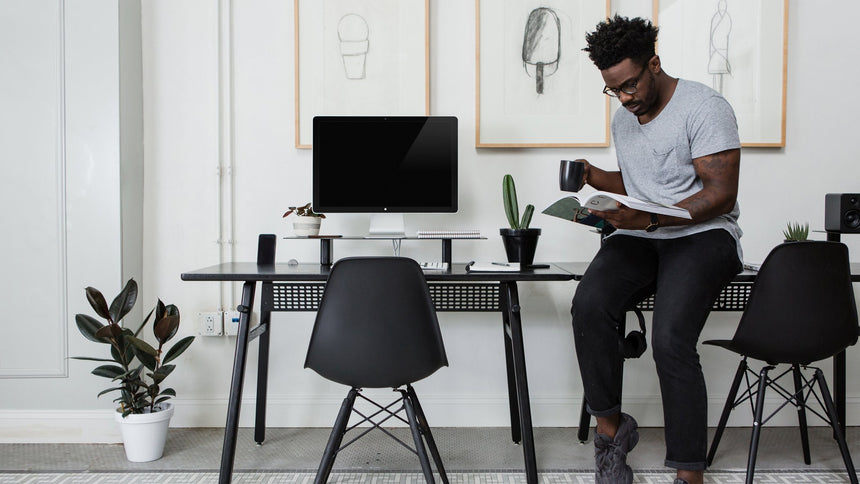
462,449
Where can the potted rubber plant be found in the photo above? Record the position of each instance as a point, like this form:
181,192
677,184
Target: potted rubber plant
136,369
307,222
519,239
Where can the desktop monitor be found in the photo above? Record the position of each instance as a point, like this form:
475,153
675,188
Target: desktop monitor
385,165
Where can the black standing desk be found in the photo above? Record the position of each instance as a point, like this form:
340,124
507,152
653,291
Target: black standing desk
299,288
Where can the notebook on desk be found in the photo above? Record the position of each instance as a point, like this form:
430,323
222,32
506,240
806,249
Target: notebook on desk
493,267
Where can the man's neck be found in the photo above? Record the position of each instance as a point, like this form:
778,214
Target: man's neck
665,89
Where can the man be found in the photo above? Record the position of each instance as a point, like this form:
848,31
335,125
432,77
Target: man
677,144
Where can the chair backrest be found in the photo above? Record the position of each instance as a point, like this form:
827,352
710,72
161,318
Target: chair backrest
376,326
801,307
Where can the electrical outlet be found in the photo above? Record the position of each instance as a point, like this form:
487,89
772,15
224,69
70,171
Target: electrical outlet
231,323
210,323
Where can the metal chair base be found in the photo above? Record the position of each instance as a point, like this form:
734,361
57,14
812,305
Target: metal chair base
415,418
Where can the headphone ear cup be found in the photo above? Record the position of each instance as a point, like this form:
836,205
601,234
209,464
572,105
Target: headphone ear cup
633,345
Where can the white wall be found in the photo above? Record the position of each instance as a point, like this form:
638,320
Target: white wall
199,114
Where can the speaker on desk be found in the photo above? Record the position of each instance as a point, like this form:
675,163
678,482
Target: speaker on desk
266,249
842,213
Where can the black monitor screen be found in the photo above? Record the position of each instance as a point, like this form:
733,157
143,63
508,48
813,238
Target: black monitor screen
385,164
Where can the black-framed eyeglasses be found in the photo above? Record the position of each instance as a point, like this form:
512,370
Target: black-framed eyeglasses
629,88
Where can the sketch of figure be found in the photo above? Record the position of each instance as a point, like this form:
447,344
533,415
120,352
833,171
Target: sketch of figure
353,33
541,45
718,61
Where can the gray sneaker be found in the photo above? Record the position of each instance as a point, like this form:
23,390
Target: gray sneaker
610,455
680,481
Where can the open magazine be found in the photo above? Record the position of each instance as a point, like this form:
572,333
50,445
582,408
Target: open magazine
572,208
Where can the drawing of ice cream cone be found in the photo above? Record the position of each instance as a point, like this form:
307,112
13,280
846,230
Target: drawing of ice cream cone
353,33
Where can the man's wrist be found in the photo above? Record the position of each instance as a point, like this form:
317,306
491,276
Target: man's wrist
654,223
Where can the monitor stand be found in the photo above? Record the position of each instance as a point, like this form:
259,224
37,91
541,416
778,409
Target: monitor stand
387,225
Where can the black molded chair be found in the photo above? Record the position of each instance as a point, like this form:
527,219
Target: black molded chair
376,328
801,310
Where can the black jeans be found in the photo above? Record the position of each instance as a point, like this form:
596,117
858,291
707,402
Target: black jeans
686,275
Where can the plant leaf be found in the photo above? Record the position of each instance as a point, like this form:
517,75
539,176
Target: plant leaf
527,216
145,320
166,328
87,358
97,301
164,371
111,332
177,349
109,371
142,345
124,301
108,391
509,196
148,360
88,326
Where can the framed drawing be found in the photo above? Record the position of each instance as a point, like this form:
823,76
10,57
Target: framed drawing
535,86
360,57
738,47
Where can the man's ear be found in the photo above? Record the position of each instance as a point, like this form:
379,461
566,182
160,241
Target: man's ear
654,64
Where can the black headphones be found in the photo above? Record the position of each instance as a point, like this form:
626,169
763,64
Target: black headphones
635,343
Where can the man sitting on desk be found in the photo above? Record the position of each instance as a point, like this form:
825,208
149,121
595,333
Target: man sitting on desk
677,143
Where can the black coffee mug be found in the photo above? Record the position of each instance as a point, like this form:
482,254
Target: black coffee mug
570,174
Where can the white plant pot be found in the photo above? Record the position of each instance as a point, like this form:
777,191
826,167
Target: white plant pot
304,226
144,435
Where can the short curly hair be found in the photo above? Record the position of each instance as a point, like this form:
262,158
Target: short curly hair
619,38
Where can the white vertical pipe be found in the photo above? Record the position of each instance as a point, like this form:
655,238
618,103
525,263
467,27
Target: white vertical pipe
226,152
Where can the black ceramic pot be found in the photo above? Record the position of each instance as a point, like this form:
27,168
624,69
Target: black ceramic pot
520,244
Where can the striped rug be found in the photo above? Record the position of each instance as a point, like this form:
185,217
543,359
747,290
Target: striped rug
645,477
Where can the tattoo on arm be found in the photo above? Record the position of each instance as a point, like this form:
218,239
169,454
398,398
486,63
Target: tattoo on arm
719,174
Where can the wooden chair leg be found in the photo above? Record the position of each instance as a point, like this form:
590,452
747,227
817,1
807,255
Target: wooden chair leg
834,422
727,409
801,413
336,437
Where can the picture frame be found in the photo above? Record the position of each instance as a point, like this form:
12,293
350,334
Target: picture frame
739,47
535,87
360,57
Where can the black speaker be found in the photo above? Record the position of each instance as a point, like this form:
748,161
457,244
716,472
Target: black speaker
266,249
842,213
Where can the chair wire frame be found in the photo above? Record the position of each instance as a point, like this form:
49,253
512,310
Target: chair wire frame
417,423
807,389
799,398
378,424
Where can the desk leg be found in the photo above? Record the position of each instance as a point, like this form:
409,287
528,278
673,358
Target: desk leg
513,406
228,451
263,369
838,366
839,388
512,305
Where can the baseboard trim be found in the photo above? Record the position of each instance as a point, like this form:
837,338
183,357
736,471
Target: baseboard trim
98,426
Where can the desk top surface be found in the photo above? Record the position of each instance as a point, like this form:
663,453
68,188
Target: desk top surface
558,271
282,272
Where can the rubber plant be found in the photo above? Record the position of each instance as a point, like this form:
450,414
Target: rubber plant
135,368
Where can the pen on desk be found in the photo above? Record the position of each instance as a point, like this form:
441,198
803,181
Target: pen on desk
501,264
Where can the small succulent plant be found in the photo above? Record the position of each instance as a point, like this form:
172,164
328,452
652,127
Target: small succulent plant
795,231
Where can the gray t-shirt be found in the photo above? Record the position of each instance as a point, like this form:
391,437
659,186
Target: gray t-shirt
656,159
